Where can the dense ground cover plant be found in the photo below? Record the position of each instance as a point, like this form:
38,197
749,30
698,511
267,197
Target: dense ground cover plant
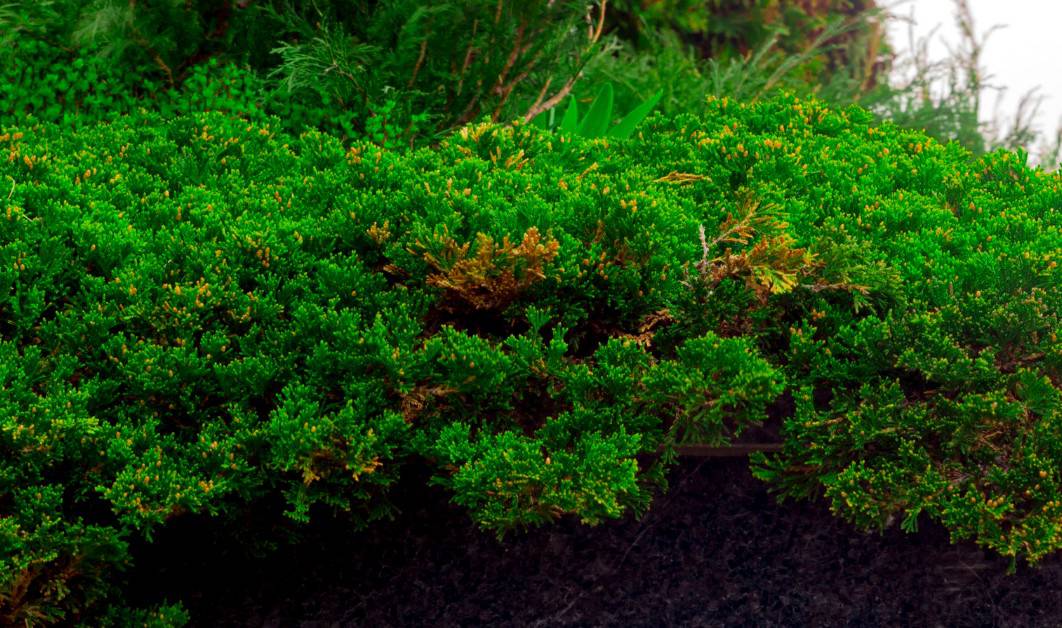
44,83
208,317
400,71
834,50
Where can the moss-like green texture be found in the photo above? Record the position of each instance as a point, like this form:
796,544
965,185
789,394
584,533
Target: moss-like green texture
204,316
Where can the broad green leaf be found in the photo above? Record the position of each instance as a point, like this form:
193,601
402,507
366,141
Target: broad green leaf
570,122
598,119
627,126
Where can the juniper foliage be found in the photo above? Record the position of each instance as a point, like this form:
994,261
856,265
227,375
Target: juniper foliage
205,316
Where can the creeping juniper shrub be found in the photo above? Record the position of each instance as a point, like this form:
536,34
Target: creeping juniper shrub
203,315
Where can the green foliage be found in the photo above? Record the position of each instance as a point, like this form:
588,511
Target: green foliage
598,120
582,459
722,29
451,62
744,49
765,69
834,49
39,79
38,20
46,84
400,72
206,315
946,97
626,127
405,73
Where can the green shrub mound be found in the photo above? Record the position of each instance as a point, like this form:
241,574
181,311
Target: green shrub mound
206,317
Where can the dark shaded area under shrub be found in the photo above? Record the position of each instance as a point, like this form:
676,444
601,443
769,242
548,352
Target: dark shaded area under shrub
716,550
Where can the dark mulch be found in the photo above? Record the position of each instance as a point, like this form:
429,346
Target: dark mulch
717,550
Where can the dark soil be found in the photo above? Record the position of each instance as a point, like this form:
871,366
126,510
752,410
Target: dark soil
717,550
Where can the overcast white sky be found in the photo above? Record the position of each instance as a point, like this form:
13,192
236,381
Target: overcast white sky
1026,53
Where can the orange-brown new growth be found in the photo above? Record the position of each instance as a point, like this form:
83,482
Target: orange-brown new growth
772,265
495,274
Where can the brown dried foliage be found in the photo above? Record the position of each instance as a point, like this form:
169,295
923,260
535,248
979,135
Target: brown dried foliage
414,402
648,326
25,599
771,266
494,274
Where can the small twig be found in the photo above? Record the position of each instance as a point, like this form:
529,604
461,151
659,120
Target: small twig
541,94
157,59
139,38
468,58
508,89
553,100
540,106
592,167
553,619
470,109
595,35
705,248
680,177
819,287
514,54
500,88
420,62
